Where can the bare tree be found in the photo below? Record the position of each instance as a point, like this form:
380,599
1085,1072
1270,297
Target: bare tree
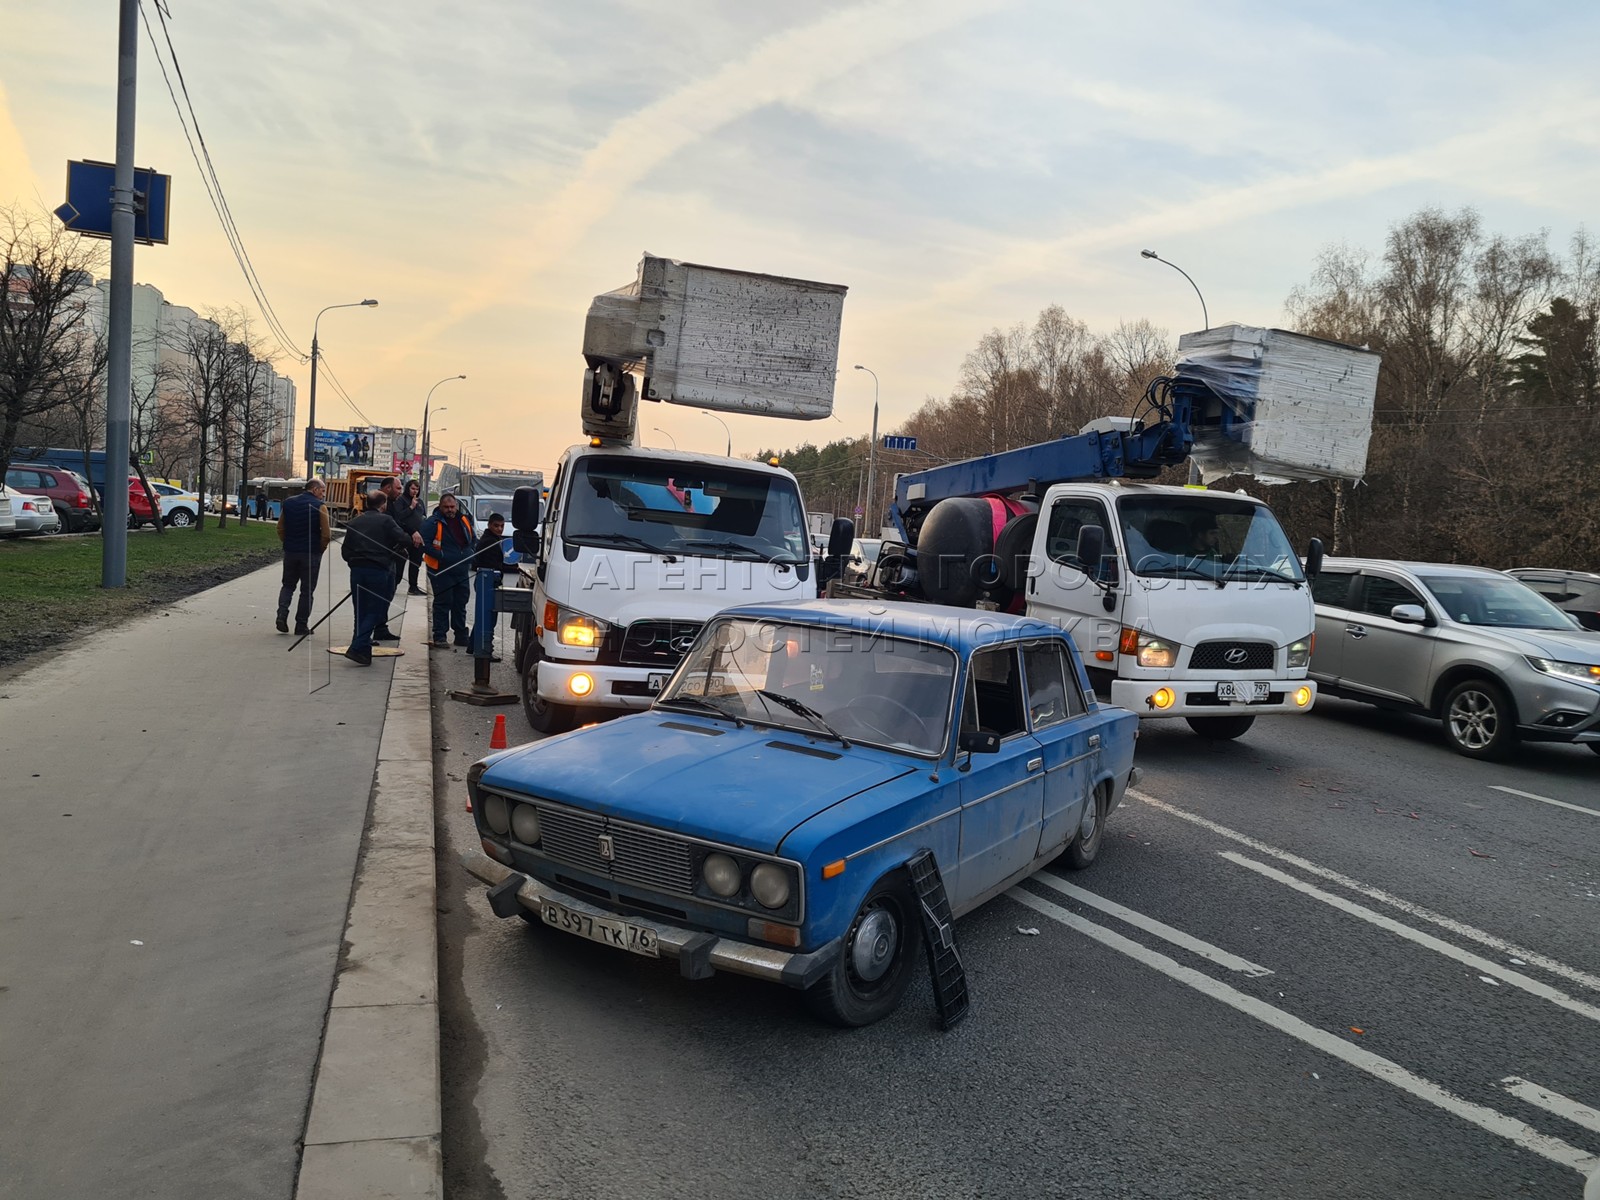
205,377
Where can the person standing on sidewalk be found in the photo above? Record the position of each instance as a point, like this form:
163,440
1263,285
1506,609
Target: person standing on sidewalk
490,555
373,543
305,533
409,513
390,490
448,548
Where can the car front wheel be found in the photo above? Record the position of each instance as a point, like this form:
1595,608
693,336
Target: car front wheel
1478,721
875,967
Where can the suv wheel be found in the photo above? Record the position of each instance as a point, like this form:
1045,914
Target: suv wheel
182,518
1478,720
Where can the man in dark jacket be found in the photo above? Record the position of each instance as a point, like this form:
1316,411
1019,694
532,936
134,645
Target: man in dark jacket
410,511
448,546
305,533
390,487
373,543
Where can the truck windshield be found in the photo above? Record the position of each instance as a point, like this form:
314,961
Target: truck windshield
1206,537
1484,600
820,680
685,509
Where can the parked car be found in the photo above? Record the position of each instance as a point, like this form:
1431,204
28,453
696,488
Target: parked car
1575,592
68,492
217,504
8,520
34,514
1489,657
760,817
179,508
863,557
142,506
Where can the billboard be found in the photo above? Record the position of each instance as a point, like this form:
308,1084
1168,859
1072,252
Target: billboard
349,447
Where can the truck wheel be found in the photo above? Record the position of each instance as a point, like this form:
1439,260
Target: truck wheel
1084,850
1478,720
872,972
1222,729
545,717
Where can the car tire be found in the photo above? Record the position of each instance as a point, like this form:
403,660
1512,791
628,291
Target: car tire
1084,850
1478,720
181,518
880,955
545,717
1221,729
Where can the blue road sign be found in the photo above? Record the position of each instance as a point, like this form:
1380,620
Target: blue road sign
897,442
88,207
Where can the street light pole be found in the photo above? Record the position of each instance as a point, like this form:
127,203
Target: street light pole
872,458
311,413
1204,316
427,459
724,425
665,434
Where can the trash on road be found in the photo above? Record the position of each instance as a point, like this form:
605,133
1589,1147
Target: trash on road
1028,930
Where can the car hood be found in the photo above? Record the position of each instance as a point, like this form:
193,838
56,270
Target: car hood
1563,645
746,787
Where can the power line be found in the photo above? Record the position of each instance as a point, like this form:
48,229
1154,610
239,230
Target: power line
322,358
209,180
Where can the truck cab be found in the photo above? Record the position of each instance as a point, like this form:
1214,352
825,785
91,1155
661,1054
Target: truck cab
636,550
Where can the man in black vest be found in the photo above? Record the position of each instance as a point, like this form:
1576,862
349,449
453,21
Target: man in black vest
305,533
373,543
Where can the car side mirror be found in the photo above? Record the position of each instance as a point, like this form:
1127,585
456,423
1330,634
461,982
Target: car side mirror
979,741
1314,559
841,537
1409,614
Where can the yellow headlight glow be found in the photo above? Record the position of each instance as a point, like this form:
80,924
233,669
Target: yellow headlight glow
578,633
580,684
1302,696
1163,698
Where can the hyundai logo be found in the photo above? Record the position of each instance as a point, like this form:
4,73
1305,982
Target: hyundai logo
682,642
1236,655
608,851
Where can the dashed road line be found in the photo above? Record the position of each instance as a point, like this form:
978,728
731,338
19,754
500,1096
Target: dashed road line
1553,1102
1150,925
1426,940
1495,787
1491,1121
1543,961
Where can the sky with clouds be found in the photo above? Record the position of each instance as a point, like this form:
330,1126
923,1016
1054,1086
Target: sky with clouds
485,168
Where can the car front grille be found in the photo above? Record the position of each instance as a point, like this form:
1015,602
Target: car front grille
1233,656
642,857
656,643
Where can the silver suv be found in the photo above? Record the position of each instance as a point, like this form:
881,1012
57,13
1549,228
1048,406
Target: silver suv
1486,654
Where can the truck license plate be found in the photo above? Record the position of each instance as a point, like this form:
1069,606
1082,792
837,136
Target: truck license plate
657,680
619,935
1251,692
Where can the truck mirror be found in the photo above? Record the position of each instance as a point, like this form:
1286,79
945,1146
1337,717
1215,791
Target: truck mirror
525,509
1091,546
525,542
841,537
979,741
1314,558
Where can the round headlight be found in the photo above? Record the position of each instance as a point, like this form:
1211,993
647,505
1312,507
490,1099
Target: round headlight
497,814
524,824
769,883
721,874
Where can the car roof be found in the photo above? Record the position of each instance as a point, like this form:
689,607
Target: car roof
1556,572
961,629
1415,568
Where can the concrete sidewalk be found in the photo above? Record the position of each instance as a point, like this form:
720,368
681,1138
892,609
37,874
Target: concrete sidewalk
181,824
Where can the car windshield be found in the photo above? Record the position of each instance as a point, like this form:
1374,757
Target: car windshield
689,509
869,548
1490,600
1206,537
831,682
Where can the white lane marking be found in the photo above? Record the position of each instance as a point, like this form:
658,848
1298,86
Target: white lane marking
1488,1119
1553,1102
1571,974
1150,925
1484,966
1495,787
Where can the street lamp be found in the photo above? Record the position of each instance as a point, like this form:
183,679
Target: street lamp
1203,315
872,456
724,425
427,460
667,435
311,415
461,451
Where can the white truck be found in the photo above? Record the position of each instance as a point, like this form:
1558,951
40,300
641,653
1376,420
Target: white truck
1183,602
638,547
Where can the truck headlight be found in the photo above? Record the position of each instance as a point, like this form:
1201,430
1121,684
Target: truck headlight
580,629
1300,652
1157,652
721,874
1584,671
769,883
524,824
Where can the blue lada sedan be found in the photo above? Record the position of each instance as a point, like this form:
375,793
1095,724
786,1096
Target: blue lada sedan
760,817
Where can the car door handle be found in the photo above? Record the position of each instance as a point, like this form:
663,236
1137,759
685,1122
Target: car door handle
1356,631
1035,763
1094,740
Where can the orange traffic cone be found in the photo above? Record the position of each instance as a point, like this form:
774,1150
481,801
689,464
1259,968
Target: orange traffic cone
497,739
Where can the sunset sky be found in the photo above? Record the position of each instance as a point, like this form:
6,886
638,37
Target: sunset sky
484,169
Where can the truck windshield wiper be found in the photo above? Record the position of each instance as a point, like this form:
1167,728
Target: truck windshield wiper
730,545
1259,572
632,541
697,702
1178,570
804,710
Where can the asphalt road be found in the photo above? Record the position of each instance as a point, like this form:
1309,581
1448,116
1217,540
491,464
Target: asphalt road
1328,960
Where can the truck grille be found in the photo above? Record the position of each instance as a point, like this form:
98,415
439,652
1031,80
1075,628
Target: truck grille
643,857
656,643
1233,656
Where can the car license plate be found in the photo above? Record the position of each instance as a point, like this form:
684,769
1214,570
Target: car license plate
619,935
1252,692
658,680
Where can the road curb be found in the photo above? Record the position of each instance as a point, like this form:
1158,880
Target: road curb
373,1130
